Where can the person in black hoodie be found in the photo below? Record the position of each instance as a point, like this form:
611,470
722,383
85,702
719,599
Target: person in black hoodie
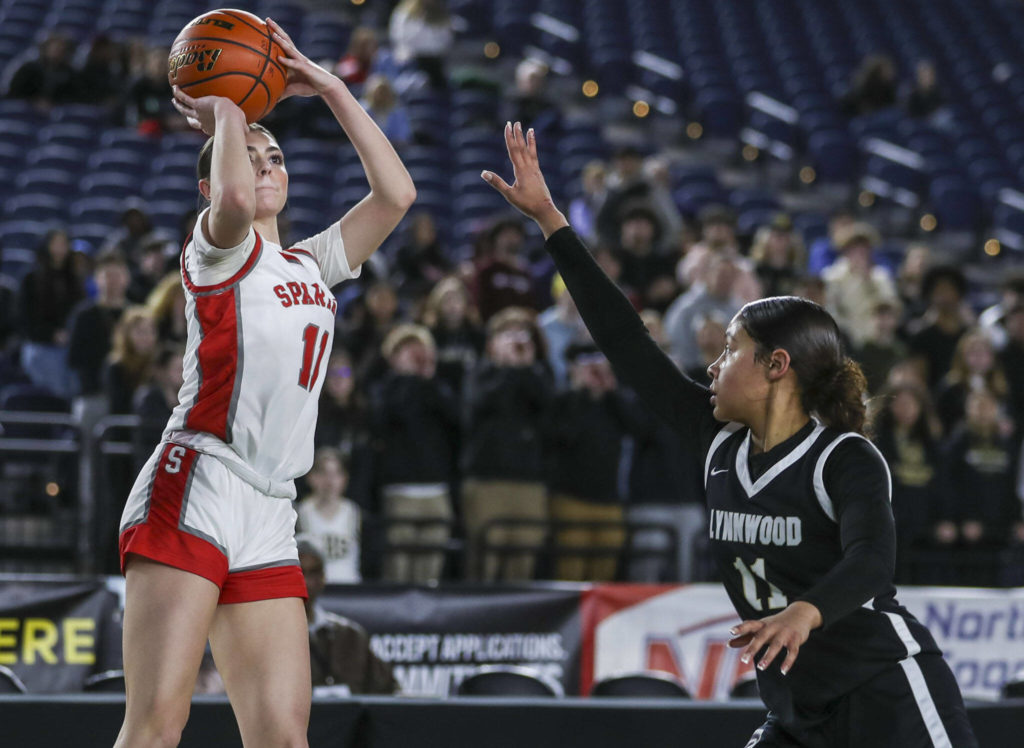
416,427
906,431
982,463
502,458
586,426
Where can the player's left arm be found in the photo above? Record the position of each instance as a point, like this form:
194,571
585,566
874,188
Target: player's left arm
392,192
857,482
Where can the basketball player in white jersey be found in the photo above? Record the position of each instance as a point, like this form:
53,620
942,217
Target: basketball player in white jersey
207,535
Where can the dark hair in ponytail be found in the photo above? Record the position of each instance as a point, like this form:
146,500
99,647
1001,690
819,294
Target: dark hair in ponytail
831,384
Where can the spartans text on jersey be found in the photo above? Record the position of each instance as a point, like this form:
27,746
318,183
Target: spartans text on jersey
755,529
297,294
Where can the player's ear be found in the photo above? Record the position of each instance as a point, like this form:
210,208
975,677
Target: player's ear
204,189
778,365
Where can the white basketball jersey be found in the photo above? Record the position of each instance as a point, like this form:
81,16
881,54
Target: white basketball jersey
337,536
257,351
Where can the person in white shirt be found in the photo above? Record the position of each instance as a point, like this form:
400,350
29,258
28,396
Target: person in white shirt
208,532
331,519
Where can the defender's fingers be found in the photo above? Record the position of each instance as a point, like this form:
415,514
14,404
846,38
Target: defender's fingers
496,182
766,659
531,143
740,641
756,645
791,653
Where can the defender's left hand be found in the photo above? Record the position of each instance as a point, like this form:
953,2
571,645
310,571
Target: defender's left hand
305,77
788,629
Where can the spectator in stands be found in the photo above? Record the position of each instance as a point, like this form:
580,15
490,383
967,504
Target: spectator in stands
659,197
584,209
716,295
381,103
982,465
924,98
49,78
167,303
455,325
529,102
134,229
854,284
147,104
561,325
646,273
130,363
906,430
421,33
779,257
873,86
882,349
46,296
823,250
101,77
343,423
8,310
625,183
331,518
502,457
339,648
709,332
910,280
1012,360
933,336
421,261
92,323
586,426
356,64
502,277
992,320
416,429
718,237
149,267
372,318
974,367
155,401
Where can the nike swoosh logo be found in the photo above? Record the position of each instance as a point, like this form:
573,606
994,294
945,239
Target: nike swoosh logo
719,471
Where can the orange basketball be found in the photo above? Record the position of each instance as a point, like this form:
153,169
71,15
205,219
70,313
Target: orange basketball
229,53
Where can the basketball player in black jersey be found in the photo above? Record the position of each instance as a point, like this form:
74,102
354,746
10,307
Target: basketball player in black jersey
798,504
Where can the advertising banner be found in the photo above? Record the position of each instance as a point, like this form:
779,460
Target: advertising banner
684,630
54,633
436,637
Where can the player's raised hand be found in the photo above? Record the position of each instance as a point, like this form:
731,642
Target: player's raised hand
305,77
529,192
200,113
786,630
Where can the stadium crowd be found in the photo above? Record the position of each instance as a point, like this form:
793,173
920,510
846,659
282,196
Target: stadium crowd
463,389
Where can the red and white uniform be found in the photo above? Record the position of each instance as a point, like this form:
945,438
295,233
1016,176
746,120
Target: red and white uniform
260,327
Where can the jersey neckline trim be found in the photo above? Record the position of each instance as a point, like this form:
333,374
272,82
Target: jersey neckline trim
250,263
743,466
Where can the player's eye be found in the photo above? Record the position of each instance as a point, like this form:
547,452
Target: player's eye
277,159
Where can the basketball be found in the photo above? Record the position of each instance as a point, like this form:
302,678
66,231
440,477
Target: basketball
229,53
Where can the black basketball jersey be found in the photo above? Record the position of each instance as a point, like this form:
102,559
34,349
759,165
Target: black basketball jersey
775,535
808,520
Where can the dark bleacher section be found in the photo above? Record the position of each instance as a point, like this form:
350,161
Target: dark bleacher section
767,73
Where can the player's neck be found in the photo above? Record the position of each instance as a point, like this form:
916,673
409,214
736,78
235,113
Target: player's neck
267,228
777,424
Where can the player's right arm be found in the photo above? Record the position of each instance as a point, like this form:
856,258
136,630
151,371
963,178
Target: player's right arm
231,188
616,327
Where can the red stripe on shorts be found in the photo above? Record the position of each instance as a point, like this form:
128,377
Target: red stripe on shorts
218,364
263,584
161,536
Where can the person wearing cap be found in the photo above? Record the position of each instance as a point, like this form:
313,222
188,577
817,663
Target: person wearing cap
339,648
416,432
718,238
778,255
647,273
715,296
507,402
854,284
